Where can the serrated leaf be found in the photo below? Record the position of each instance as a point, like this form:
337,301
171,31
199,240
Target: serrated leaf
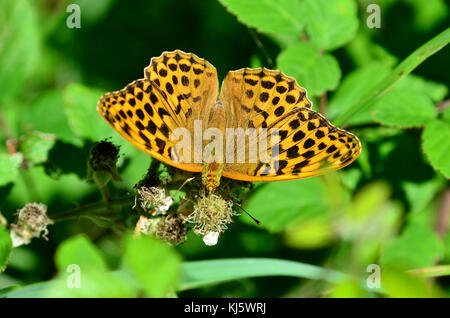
313,70
418,246
353,87
80,105
404,108
289,201
436,145
19,38
5,247
46,114
80,251
35,147
9,167
435,91
155,265
277,17
331,23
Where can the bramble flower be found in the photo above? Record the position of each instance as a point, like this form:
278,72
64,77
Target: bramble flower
154,200
211,238
168,228
31,221
210,217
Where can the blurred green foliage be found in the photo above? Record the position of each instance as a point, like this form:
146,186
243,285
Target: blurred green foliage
317,236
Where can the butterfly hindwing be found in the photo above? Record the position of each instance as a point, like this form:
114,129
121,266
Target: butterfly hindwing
308,143
252,94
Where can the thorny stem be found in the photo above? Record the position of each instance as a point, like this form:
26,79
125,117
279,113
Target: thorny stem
443,105
4,128
444,214
106,197
323,103
93,209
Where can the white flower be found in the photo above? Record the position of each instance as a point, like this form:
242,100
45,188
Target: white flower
165,204
154,200
32,220
211,238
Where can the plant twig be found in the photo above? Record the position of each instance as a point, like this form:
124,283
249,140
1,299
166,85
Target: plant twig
93,209
444,214
323,103
432,271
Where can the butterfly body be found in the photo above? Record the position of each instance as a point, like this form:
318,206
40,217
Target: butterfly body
213,159
262,119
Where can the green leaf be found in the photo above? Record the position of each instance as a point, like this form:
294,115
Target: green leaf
37,117
5,247
35,147
153,264
446,115
197,274
398,284
9,167
436,145
428,14
80,251
435,91
418,246
289,202
313,70
277,17
420,194
404,108
364,51
331,24
403,69
78,259
353,87
80,105
94,284
19,38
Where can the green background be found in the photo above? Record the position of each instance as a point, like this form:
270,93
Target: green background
318,236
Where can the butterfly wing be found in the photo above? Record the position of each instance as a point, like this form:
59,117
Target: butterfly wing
308,144
189,83
146,112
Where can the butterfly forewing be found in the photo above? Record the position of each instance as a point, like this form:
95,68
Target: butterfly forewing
188,82
141,114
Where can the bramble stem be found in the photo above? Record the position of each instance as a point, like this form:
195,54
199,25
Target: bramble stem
93,209
432,271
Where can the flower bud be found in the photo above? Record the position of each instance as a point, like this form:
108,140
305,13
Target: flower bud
102,163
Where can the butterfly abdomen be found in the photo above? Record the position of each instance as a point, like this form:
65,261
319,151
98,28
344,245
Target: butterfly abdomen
213,150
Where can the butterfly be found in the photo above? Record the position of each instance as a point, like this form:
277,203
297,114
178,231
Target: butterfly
180,90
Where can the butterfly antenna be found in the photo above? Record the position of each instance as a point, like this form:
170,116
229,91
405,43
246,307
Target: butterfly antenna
253,218
184,183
